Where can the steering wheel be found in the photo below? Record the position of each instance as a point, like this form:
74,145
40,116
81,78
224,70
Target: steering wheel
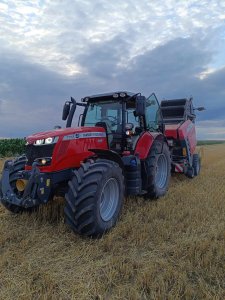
114,118
113,121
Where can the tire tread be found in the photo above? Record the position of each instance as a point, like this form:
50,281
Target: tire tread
81,196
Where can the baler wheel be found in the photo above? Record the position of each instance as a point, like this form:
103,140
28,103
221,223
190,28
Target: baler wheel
196,164
94,198
190,172
194,170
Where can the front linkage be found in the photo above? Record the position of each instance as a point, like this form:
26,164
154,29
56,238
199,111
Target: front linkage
26,189
36,185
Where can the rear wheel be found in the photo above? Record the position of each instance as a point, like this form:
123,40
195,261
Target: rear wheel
18,165
95,197
158,169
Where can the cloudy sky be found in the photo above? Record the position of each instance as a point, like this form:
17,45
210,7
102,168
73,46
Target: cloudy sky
53,49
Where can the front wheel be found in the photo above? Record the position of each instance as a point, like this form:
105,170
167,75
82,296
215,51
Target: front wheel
158,166
95,197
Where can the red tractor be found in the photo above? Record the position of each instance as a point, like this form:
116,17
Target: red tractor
126,145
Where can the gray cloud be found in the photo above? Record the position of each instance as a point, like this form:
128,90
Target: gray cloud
94,47
171,70
31,101
35,94
62,30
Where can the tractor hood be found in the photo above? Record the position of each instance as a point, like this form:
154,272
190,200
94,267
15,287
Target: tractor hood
64,132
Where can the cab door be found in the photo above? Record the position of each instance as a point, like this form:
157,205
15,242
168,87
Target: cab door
153,113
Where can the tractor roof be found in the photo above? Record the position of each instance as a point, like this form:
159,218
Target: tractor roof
108,96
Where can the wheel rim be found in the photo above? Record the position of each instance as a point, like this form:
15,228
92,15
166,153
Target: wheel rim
161,171
109,199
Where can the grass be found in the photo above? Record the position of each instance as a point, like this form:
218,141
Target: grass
173,248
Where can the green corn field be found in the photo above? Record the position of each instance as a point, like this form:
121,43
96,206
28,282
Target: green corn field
11,147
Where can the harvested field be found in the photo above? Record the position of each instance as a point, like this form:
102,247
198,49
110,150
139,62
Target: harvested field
173,248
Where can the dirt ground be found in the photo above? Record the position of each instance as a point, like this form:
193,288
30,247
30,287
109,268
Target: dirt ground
173,248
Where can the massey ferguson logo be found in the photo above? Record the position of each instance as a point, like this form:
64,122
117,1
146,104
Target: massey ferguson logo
84,135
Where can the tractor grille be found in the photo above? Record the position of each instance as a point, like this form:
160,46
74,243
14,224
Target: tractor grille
33,152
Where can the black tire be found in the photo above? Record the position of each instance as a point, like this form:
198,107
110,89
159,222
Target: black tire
18,165
0,191
158,166
194,170
85,210
190,172
196,164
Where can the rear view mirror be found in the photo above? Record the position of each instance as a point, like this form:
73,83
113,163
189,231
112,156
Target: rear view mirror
66,110
140,106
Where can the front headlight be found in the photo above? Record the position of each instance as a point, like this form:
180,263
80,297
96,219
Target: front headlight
39,142
47,141
43,161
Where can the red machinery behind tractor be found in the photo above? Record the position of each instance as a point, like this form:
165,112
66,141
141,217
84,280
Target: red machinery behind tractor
127,144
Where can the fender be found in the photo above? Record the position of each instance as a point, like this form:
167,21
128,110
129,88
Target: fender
145,143
108,154
187,133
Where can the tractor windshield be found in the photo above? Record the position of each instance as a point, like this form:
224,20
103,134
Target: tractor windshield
113,116
109,112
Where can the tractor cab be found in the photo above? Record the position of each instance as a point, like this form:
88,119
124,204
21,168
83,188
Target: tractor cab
123,115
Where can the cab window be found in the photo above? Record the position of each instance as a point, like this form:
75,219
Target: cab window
152,113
